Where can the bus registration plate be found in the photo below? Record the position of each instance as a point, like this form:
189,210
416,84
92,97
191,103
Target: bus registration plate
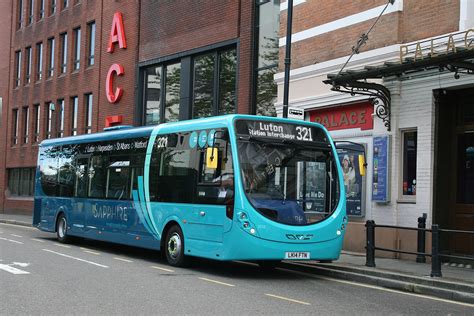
297,255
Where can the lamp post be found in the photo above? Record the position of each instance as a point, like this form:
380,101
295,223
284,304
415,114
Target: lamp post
286,84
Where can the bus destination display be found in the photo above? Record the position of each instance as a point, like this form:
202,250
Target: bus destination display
283,131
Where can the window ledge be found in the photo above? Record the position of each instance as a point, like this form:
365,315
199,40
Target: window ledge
406,201
20,198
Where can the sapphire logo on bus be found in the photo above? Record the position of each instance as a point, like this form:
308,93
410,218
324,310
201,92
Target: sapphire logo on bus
117,213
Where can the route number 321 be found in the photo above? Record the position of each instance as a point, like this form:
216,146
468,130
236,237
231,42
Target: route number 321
304,133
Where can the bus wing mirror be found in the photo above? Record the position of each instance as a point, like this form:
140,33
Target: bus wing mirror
212,156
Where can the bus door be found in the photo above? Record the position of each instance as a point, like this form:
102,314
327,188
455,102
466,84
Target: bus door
214,192
78,214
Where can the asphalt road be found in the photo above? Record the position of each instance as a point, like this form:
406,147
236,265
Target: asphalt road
40,276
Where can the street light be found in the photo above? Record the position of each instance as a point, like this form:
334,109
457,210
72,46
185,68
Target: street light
286,84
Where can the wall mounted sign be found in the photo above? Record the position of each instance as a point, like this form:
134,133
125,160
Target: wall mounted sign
295,113
344,117
380,172
437,46
117,35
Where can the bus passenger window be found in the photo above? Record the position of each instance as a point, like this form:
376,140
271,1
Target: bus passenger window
66,173
97,177
49,170
118,184
81,177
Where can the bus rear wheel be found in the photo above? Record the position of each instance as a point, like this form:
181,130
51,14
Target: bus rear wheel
174,247
61,229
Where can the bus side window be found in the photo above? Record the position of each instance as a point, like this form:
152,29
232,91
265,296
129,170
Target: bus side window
66,172
136,171
98,176
172,173
49,170
118,184
82,168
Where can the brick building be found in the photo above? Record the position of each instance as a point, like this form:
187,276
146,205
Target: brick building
418,133
76,66
55,87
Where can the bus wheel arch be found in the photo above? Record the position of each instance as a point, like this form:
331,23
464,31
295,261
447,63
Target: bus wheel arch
61,227
172,244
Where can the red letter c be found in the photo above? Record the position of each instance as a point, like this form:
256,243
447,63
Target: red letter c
113,96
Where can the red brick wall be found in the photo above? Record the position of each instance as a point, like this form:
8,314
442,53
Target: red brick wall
171,27
86,80
419,19
5,24
126,57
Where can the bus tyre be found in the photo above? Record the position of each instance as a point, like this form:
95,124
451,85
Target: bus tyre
61,229
174,247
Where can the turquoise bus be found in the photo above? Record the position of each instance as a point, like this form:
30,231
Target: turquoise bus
233,187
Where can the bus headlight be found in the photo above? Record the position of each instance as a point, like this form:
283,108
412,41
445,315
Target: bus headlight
252,231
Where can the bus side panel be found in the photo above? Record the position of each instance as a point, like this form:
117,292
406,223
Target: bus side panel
116,221
37,211
37,201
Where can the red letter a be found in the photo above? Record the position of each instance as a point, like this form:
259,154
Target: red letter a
117,33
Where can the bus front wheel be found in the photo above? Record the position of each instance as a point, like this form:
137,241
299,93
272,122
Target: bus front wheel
174,247
61,229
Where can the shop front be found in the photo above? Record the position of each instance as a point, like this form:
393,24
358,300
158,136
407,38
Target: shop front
421,158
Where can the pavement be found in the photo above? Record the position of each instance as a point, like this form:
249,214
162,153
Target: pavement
456,283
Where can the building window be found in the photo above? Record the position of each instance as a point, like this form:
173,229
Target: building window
172,92
49,119
15,127
213,90
51,43
74,108
267,27
409,153
36,122
168,89
88,109
152,95
31,7
52,7
41,10
29,57
21,181
39,61
65,4
17,68
19,14
91,43
63,57
77,49
214,78
26,119
61,117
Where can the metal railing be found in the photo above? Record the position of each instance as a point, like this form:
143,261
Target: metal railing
420,254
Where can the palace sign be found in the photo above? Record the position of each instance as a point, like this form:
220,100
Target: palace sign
345,117
437,46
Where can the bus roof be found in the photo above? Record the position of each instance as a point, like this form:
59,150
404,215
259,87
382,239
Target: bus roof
172,127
